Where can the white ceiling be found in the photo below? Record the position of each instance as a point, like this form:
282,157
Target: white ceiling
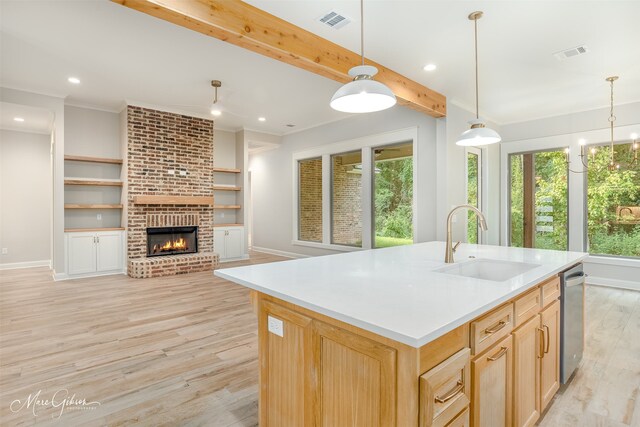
36,120
120,54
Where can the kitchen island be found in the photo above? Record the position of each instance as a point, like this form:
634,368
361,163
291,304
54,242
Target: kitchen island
382,337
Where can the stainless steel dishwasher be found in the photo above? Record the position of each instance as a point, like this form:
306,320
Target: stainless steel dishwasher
571,321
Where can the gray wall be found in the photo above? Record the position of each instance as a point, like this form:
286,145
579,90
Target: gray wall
25,197
272,175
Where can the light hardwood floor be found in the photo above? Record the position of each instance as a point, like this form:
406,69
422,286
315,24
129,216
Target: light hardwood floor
181,351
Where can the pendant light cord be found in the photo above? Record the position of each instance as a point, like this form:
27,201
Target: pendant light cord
475,21
362,30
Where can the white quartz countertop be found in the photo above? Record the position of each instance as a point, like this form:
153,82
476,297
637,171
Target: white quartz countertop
394,292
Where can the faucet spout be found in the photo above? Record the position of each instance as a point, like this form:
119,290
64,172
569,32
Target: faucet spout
448,257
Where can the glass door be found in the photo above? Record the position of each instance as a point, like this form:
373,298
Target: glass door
393,195
538,201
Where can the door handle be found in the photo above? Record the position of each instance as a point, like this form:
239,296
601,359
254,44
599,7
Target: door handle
541,354
547,339
457,389
498,355
574,281
496,328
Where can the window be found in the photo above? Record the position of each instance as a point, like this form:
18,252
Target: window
310,200
393,195
613,203
346,199
473,193
538,200
356,194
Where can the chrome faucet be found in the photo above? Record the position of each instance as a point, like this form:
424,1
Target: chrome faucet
448,256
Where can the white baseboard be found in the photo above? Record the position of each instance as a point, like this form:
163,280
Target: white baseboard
27,264
278,252
64,276
613,283
243,257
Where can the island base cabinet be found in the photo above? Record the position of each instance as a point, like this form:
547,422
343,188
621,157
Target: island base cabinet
550,361
527,354
315,374
491,392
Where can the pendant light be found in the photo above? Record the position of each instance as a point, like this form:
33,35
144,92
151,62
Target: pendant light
612,166
363,94
479,134
215,108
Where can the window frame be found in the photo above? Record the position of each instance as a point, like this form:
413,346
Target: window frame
481,181
366,145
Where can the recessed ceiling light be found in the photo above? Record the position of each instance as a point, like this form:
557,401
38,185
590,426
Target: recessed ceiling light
74,80
216,113
582,141
18,119
634,136
262,119
430,67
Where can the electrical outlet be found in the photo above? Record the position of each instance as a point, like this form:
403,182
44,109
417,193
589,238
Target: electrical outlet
183,173
171,172
221,214
99,217
275,326
5,251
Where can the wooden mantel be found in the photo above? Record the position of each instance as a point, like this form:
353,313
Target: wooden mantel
243,25
173,200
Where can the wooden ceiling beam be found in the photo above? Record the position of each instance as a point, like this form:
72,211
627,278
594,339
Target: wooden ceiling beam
243,25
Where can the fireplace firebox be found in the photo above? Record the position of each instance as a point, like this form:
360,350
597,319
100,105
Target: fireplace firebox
171,240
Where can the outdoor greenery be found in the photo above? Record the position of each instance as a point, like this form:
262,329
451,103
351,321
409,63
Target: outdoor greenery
606,192
472,196
550,200
393,200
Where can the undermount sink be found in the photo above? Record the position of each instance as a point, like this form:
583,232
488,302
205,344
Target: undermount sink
488,269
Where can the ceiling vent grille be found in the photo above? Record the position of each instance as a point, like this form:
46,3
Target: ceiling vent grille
570,53
334,20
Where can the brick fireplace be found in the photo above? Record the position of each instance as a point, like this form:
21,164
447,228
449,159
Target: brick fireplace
168,155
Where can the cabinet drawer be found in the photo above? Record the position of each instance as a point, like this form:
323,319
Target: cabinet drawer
445,390
550,291
491,328
526,307
462,420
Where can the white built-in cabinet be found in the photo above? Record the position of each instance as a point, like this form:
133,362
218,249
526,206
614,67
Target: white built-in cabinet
95,252
228,242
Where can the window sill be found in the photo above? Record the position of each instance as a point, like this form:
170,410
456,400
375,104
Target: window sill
613,260
330,247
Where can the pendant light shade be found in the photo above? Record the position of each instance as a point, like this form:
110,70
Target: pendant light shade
363,94
479,134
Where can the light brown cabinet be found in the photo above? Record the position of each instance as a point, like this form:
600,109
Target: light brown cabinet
445,391
526,373
499,369
550,361
491,379
536,363
318,374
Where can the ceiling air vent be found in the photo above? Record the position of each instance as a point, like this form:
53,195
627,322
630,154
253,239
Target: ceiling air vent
334,20
570,53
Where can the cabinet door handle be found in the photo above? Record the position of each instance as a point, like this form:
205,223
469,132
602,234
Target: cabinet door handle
454,391
498,355
541,354
547,339
501,324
